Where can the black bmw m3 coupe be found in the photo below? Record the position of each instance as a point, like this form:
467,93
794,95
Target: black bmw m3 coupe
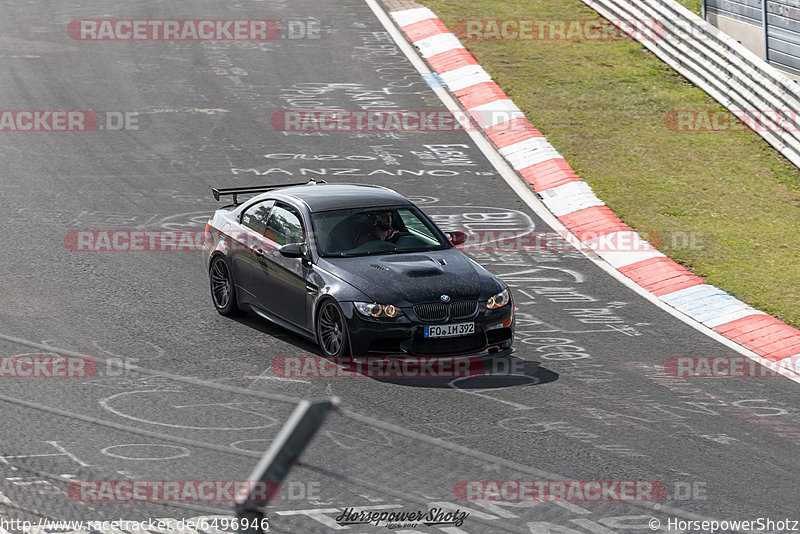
359,269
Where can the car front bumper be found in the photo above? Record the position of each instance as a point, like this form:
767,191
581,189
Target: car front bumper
494,331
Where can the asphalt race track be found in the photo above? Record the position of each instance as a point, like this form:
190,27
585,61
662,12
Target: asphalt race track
585,396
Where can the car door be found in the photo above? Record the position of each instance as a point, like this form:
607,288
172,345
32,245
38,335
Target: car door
280,282
246,242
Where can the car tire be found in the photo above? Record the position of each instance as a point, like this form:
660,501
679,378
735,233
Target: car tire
223,290
332,330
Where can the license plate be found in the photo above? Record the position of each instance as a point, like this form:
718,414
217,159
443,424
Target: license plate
450,330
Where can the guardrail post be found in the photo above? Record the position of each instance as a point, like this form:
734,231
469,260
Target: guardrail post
765,24
278,460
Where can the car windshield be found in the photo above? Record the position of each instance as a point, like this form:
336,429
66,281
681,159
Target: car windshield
366,231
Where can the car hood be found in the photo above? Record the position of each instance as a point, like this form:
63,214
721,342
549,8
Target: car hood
414,278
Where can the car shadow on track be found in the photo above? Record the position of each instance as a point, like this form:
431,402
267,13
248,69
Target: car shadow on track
491,372
278,332
488,372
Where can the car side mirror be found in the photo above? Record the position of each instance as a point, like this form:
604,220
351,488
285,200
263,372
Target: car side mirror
292,250
458,238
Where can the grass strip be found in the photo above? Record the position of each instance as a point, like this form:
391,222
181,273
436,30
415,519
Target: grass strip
726,203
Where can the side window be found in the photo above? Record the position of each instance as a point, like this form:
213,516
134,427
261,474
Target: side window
284,225
255,217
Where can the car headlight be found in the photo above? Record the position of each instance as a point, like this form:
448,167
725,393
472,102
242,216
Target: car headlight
499,300
373,309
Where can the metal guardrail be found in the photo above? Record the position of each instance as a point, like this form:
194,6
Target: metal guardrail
715,62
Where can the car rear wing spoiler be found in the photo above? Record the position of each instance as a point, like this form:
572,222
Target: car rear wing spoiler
235,191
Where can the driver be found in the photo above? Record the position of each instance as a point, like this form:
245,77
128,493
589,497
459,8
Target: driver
381,229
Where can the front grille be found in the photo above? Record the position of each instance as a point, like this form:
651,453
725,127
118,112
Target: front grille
463,309
431,312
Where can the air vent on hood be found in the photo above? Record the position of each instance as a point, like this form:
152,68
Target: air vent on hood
379,267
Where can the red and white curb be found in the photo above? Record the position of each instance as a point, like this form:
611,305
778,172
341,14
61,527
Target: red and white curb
573,202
